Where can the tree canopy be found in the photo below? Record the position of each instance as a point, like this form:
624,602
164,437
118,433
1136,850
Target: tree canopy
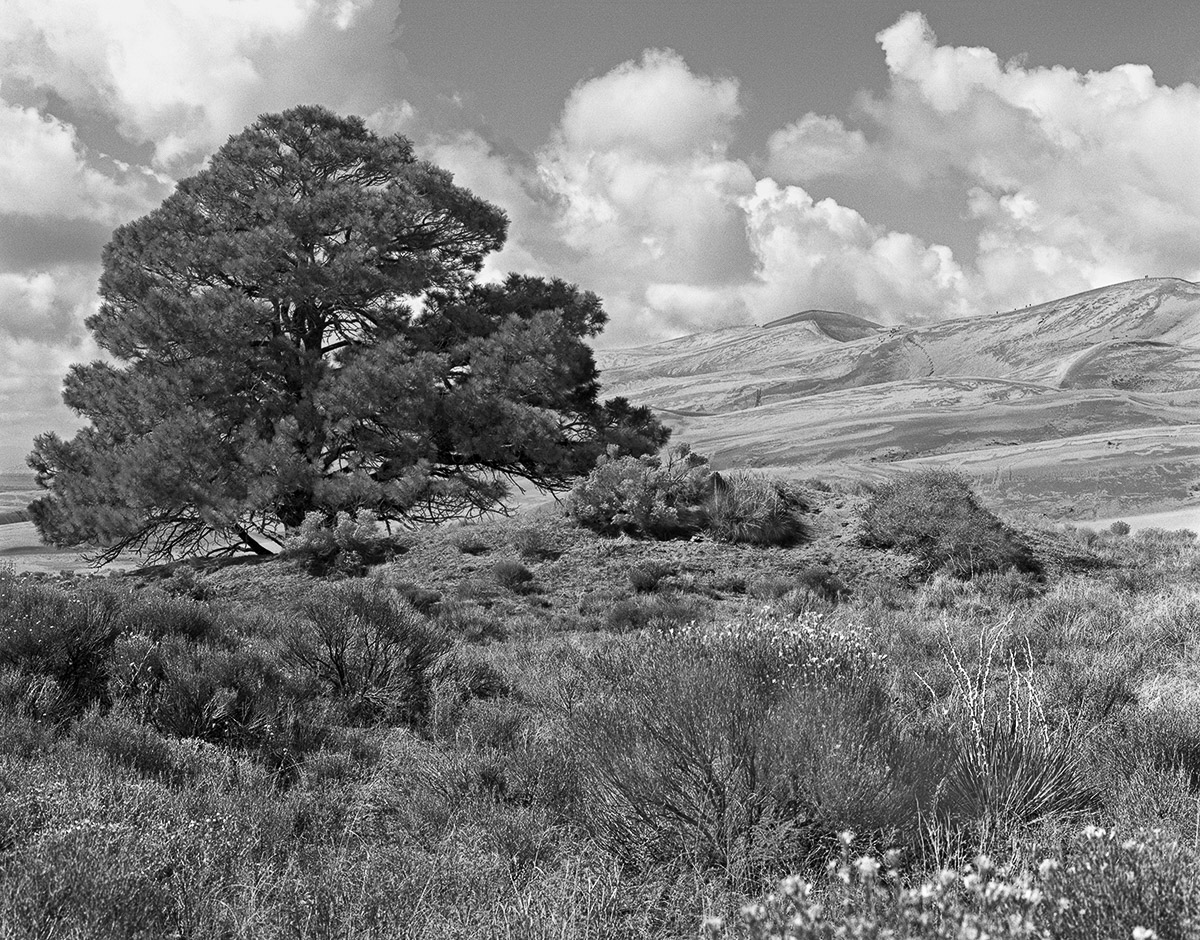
298,328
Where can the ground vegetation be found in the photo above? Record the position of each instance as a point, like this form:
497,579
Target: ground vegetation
527,728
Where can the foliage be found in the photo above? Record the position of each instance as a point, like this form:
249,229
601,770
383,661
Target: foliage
744,748
824,582
60,638
935,515
1119,528
644,496
662,611
511,574
754,509
348,547
1012,768
585,777
372,650
647,577
532,544
1103,886
648,498
264,360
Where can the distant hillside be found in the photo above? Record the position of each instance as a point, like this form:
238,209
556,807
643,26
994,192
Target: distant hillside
1079,407
842,327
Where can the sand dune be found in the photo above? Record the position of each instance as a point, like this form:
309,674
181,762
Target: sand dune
1079,407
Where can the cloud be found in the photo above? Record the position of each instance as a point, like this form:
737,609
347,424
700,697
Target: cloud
180,73
44,171
1069,179
813,147
636,197
656,107
633,197
41,334
1074,179
817,253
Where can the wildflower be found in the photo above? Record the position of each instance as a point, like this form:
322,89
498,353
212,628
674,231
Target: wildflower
794,885
867,867
1048,867
712,924
846,836
1144,933
1094,832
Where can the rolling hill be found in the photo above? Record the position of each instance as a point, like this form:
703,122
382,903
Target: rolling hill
1084,407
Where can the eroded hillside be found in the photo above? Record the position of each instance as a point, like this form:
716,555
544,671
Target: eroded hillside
1079,408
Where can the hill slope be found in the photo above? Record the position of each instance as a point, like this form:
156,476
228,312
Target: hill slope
1081,407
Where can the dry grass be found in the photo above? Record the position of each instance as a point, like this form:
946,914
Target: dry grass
657,733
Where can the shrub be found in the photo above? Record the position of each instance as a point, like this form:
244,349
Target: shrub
157,614
1012,767
126,741
65,637
823,582
348,547
469,542
1119,528
469,620
752,508
1117,886
770,587
532,544
643,496
646,577
224,696
511,574
1165,736
372,650
1011,586
934,515
743,749
423,599
657,611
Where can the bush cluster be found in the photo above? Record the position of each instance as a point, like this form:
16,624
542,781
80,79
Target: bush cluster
738,749
644,496
348,546
649,498
935,515
354,759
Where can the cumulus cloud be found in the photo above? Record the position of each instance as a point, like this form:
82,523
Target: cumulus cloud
637,197
829,256
656,106
44,172
1069,179
182,74
815,146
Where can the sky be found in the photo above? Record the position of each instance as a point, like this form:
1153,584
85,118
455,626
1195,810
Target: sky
697,163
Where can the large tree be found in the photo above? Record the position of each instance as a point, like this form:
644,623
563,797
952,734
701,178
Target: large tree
299,328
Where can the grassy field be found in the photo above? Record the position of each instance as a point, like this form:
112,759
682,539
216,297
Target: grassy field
521,728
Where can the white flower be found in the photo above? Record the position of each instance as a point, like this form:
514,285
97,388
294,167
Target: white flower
1144,933
867,867
1048,867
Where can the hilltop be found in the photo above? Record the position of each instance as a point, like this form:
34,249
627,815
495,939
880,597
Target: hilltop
1078,408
